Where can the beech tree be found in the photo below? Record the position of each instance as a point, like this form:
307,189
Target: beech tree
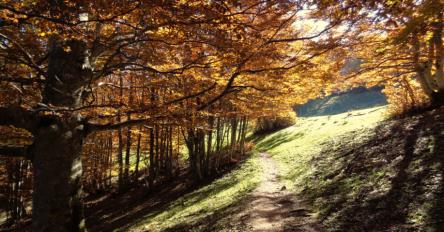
398,44
59,50
58,57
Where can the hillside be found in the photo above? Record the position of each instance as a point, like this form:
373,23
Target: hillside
361,172
354,99
355,171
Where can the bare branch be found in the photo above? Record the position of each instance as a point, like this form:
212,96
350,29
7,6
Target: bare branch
18,117
191,95
21,80
114,126
11,151
252,87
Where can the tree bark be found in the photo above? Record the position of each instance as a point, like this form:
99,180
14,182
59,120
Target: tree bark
233,136
119,135
193,146
127,154
139,137
209,142
439,53
57,194
120,155
243,134
152,171
420,69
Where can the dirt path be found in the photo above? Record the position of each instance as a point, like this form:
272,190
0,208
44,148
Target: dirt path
273,208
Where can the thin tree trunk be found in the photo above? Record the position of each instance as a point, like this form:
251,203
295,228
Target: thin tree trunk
110,161
210,140
120,140
139,137
152,171
170,151
233,136
127,154
157,148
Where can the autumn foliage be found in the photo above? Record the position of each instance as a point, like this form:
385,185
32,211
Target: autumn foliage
115,94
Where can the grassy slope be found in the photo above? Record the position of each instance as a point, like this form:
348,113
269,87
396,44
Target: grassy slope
215,202
294,147
359,171
192,211
362,173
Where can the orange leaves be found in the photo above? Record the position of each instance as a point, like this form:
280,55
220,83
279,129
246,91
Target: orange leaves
178,60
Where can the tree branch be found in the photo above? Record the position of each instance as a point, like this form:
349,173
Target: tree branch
252,87
17,117
21,80
192,95
11,151
114,126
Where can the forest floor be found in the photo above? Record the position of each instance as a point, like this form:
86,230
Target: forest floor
261,194
356,171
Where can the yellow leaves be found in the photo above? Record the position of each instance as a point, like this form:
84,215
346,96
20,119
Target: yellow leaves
67,49
191,3
428,35
7,16
163,31
108,29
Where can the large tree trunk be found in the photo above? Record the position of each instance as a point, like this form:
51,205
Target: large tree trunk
420,70
57,204
57,200
439,56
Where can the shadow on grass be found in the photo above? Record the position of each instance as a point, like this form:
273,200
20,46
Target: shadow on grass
116,212
275,140
390,181
229,218
130,209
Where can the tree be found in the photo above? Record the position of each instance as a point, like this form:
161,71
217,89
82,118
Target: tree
398,42
197,61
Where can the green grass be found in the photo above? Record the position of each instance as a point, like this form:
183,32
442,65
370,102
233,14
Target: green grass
339,164
204,202
362,174
294,148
